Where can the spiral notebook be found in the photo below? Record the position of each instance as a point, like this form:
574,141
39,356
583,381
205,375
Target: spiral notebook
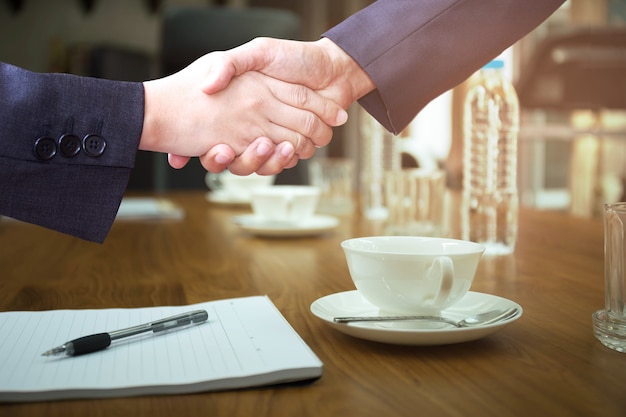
245,342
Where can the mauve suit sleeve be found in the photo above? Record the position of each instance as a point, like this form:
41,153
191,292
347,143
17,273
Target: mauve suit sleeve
74,194
414,50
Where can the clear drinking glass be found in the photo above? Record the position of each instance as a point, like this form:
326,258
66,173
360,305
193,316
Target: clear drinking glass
415,202
334,178
609,324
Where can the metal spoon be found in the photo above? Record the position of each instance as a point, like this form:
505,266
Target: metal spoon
478,320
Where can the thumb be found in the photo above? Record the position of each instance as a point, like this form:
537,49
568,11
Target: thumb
255,55
219,77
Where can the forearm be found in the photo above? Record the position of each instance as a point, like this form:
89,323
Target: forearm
35,104
414,50
80,193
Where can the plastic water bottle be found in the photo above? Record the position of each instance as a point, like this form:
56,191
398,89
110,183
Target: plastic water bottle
490,195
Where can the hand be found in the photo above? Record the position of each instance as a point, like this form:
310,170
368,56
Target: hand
182,120
262,157
319,65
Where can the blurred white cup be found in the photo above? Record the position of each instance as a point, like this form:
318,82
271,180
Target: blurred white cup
285,203
236,187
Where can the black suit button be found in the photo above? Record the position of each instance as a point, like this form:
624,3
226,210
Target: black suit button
45,148
69,145
94,145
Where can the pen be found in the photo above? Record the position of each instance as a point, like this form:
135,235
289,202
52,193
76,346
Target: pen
99,341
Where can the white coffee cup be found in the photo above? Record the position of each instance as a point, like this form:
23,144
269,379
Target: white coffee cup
412,274
237,187
285,203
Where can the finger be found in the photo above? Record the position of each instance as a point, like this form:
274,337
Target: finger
305,149
326,109
307,113
177,161
304,98
253,157
294,161
278,133
288,122
218,158
282,158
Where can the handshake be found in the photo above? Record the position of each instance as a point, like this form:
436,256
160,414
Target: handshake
258,108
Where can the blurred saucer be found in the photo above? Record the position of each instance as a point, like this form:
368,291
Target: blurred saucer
315,225
351,303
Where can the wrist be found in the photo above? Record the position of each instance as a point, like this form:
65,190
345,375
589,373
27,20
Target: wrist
148,140
348,69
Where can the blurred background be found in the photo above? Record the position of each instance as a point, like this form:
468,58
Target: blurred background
570,74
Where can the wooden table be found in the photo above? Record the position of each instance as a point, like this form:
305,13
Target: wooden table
548,363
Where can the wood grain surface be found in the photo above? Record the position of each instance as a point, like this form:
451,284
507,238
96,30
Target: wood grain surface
548,363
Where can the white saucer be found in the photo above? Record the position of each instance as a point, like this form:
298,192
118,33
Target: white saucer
315,225
351,303
220,197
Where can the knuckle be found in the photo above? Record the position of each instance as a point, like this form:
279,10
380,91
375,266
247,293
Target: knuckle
260,42
301,96
311,125
255,103
298,142
307,151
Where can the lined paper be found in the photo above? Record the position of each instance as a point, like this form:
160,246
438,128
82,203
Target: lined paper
245,342
146,208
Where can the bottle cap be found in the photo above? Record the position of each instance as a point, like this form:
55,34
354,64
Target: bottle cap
495,64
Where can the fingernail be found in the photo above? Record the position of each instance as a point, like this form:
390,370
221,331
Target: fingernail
342,117
222,158
263,149
287,150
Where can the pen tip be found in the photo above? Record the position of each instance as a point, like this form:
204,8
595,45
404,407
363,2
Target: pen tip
56,351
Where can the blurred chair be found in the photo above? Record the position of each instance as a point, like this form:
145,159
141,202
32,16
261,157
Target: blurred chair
581,68
580,74
190,32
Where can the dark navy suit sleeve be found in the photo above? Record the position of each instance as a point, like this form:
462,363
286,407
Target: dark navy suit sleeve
414,50
67,147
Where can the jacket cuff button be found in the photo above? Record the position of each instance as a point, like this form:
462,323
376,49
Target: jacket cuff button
69,145
45,148
94,145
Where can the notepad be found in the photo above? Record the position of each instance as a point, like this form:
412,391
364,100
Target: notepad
148,208
246,342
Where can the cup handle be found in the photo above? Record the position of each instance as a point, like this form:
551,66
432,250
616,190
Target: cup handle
442,268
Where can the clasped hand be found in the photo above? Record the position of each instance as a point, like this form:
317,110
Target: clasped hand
257,108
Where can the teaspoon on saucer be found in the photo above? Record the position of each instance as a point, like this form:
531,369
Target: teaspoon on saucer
482,319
